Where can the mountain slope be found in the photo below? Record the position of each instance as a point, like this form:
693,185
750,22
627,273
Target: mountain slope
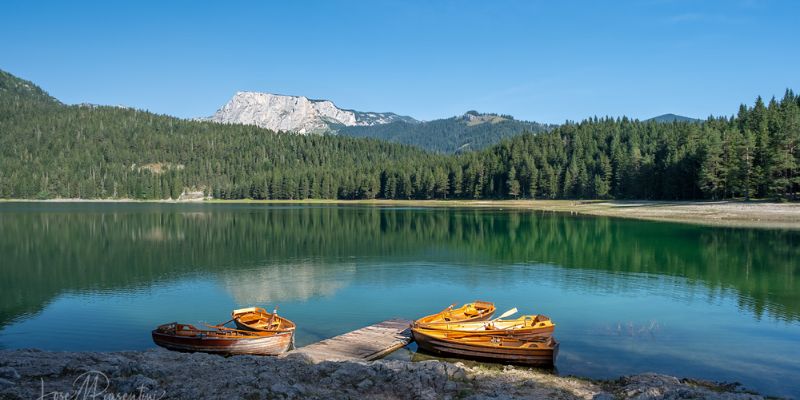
12,87
471,131
51,150
295,114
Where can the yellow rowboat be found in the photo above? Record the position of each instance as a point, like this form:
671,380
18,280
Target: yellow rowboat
475,311
524,327
539,352
259,320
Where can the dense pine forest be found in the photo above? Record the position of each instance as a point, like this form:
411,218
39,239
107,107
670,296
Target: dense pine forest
52,150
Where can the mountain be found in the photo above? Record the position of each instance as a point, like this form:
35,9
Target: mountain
13,87
297,114
52,150
471,131
673,118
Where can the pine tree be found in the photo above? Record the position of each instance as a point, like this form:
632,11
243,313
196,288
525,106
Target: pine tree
712,172
603,187
512,183
783,146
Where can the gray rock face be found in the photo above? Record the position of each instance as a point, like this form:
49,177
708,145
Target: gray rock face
9,373
163,374
296,114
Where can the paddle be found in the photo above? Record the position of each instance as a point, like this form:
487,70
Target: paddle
222,324
506,314
488,323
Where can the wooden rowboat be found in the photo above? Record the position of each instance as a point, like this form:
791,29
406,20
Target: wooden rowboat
259,320
221,340
524,327
475,311
538,352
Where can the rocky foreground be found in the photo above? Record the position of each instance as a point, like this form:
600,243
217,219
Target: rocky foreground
157,374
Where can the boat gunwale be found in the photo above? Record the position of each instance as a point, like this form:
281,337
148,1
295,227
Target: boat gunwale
477,304
236,316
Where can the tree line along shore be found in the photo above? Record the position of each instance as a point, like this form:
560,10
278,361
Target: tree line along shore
754,214
51,150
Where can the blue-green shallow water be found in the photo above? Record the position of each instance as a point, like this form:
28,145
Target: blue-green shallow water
627,296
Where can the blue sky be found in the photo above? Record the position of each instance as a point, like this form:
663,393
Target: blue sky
543,61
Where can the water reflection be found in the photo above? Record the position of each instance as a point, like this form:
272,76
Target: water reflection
278,283
49,249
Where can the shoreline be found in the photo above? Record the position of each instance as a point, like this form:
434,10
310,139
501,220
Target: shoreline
728,213
159,373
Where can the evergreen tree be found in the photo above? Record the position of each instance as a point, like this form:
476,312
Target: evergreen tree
712,172
512,183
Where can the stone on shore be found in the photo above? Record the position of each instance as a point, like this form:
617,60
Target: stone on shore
159,373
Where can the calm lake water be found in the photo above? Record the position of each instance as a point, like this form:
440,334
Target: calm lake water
627,296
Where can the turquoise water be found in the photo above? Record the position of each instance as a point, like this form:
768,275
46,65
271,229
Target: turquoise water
627,296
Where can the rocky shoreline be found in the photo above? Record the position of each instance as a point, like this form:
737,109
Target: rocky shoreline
160,374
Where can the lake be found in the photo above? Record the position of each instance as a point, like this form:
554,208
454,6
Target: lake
627,296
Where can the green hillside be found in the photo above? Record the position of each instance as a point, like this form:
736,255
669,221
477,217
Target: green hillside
51,150
12,88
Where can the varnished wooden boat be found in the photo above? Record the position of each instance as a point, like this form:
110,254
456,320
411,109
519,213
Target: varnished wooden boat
221,340
524,327
475,311
258,319
537,352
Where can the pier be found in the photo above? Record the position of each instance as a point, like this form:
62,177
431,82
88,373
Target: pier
365,344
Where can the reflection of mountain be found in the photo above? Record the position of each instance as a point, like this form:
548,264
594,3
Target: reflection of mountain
276,283
48,249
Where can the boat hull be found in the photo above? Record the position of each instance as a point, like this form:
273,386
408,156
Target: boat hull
542,355
270,345
242,326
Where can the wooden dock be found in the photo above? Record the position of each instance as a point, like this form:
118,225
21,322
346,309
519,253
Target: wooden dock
365,344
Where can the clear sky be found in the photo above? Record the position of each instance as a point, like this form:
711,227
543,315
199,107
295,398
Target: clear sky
546,61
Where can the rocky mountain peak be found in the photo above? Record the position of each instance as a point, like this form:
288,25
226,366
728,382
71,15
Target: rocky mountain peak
297,114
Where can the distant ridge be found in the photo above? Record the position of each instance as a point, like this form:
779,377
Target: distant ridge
471,131
673,118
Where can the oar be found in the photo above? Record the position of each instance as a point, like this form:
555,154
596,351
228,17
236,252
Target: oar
485,323
506,314
223,324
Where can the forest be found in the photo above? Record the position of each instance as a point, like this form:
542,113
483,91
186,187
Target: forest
52,150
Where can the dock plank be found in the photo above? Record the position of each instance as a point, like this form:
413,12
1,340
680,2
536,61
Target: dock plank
365,344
